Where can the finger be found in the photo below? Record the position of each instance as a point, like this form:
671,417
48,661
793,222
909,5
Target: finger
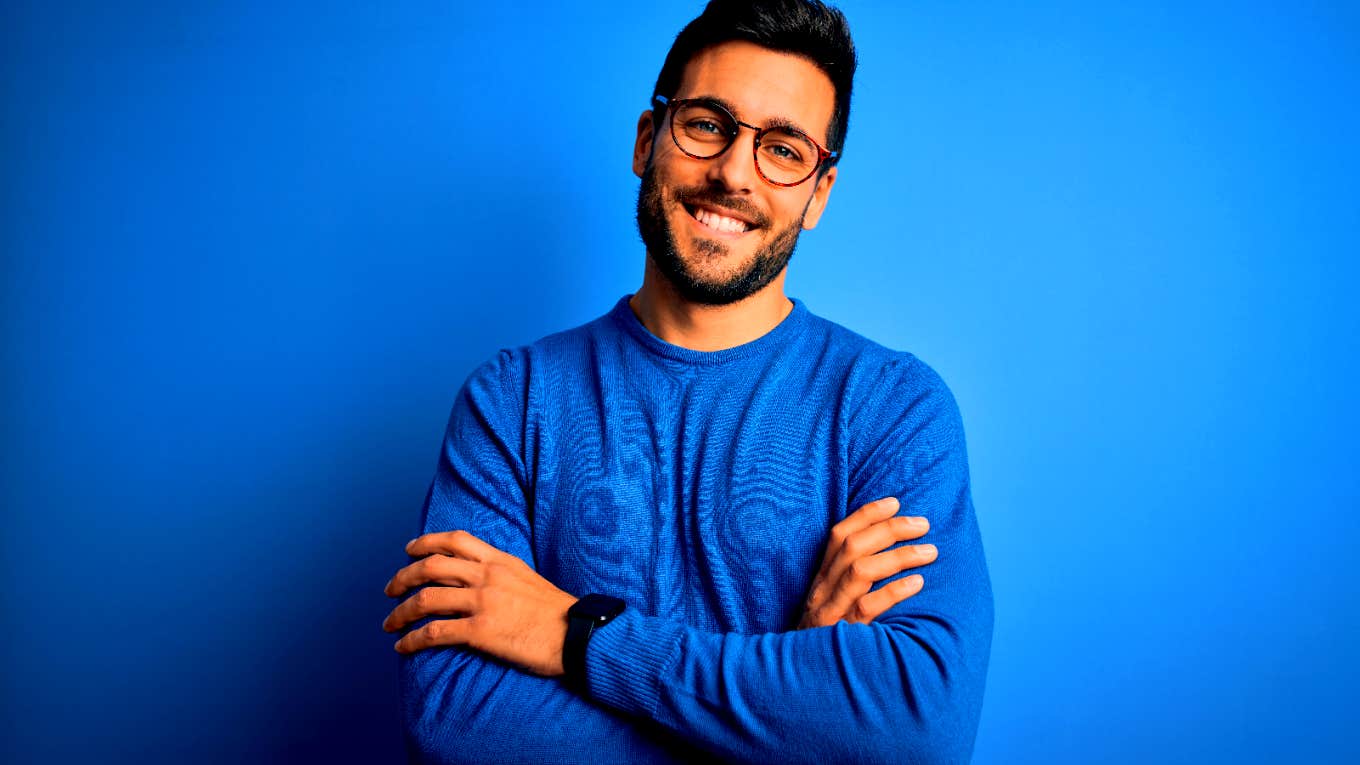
434,569
869,607
863,517
867,515
431,601
889,563
862,574
875,538
847,589
460,543
435,633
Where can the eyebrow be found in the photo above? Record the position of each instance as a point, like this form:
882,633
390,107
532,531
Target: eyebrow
774,122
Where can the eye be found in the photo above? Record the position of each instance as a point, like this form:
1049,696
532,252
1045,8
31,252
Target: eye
708,126
782,151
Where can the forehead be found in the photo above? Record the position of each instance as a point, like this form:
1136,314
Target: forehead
763,85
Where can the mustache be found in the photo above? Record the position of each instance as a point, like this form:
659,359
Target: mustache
692,195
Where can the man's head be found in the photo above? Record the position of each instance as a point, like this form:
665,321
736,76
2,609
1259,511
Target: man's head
786,63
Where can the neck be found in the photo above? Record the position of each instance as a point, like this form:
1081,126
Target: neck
700,327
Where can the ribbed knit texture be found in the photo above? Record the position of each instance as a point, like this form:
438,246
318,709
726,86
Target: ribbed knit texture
701,487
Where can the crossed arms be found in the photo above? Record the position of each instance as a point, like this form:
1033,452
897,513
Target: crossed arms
894,673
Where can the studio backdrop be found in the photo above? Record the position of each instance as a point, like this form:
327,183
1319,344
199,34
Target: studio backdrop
251,251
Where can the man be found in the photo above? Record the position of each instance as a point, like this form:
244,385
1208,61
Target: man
620,559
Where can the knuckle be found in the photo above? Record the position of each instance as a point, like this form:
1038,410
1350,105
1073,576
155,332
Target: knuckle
859,611
814,598
837,535
854,545
429,566
423,599
861,569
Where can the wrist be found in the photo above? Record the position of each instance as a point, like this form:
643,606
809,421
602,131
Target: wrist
589,614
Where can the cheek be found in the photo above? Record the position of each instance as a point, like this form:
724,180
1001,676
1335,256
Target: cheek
789,213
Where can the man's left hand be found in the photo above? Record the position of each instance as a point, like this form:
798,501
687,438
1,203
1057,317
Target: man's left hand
505,608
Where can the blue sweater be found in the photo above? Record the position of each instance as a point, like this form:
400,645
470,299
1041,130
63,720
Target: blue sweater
700,487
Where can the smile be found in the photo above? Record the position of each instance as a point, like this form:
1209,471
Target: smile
713,222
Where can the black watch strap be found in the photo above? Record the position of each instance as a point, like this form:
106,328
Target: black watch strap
587,615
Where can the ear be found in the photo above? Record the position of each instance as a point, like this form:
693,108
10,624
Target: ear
642,149
819,198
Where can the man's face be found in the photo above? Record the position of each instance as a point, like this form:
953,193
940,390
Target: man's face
707,259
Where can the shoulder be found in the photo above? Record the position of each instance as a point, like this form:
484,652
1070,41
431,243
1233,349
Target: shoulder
874,373
510,370
888,397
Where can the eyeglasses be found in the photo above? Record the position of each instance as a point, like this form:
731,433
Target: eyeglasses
703,129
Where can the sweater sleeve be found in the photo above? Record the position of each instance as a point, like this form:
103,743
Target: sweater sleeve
460,705
906,688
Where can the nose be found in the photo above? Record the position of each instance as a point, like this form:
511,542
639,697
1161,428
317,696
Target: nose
735,168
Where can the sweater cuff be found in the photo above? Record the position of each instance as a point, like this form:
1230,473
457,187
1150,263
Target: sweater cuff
625,660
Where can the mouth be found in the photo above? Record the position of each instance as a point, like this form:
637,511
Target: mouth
719,222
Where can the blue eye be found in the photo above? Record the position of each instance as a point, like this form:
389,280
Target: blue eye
782,152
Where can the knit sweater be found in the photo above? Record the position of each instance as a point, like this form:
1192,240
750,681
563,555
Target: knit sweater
700,487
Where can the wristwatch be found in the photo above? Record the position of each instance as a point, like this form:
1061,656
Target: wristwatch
587,615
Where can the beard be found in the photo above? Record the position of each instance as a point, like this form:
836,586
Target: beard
769,261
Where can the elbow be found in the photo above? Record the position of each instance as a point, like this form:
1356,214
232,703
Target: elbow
418,710
948,742
434,717
944,739
939,702
943,736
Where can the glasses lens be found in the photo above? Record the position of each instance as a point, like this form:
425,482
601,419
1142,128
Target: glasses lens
786,156
702,129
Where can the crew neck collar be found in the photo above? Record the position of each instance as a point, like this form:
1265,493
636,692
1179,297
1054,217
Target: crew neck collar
622,314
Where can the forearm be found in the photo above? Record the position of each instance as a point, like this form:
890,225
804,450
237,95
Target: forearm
909,690
459,706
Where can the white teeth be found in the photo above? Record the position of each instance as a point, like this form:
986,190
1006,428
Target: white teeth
719,222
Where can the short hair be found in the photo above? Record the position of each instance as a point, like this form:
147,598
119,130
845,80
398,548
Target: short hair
807,28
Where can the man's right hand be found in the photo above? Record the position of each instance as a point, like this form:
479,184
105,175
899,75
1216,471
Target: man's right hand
855,560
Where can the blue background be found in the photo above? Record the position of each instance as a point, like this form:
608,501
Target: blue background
251,250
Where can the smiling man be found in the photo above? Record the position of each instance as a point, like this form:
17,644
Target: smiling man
677,532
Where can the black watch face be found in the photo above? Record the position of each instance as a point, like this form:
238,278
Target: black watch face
598,607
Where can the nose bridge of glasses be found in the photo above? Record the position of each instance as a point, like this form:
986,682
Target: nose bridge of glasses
756,132
736,162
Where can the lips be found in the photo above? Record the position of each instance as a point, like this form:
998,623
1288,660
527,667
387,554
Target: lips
720,219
